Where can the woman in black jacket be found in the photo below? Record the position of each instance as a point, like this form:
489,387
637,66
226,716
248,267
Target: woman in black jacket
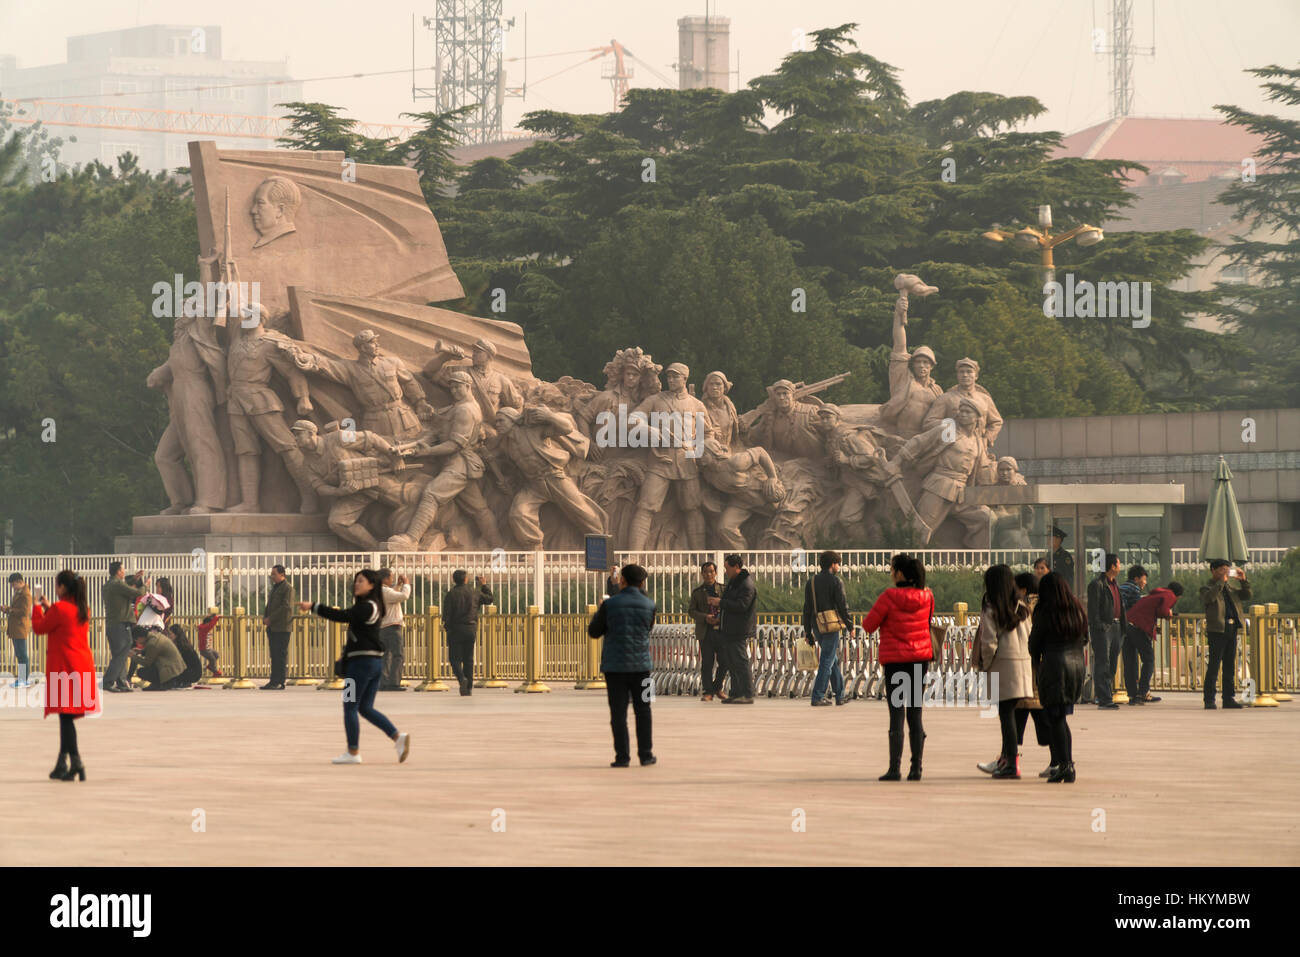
1060,630
363,655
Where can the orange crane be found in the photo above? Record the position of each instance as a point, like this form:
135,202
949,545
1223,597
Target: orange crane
618,72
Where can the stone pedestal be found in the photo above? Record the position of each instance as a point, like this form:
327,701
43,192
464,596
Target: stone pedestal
228,532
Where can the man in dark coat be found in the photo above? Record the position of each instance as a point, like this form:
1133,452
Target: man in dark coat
707,632
278,619
739,608
625,621
1062,560
460,617
1223,598
1106,623
825,593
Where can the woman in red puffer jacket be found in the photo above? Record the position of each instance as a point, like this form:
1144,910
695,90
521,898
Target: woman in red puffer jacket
902,614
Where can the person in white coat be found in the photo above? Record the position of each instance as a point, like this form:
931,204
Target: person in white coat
390,629
1002,650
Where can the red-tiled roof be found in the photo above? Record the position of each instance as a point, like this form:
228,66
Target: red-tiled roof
1198,149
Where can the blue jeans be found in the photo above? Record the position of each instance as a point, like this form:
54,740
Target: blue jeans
362,682
828,667
20,654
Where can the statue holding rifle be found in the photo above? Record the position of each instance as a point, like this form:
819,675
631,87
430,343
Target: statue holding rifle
784,425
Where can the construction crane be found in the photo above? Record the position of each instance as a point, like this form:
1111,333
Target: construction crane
617,71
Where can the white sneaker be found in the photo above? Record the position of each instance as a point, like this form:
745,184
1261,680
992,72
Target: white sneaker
346,758
403,744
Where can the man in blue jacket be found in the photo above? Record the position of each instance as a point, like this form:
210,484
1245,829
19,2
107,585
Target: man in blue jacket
625,620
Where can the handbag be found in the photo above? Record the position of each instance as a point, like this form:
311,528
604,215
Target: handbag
807,657
341,664
827,621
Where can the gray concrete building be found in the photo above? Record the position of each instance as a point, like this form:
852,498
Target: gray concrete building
1261,446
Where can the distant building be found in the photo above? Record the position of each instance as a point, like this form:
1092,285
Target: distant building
151,68
1189,162
704,53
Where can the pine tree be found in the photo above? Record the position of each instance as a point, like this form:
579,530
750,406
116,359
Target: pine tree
1265,311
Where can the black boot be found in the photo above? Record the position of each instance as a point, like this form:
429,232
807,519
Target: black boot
895,757
75,770
917,748
61,768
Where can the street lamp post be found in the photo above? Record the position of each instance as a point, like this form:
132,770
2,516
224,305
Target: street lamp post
1043,239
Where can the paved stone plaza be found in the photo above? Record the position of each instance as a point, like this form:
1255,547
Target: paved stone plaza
1177,785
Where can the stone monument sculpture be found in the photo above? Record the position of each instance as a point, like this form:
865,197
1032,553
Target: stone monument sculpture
398,441
353,470
392,401
680,423
492,390
194,380
949,455
537,445
256,412
911,390
457,439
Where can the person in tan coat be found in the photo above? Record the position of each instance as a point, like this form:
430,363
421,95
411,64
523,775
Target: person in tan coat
1002,650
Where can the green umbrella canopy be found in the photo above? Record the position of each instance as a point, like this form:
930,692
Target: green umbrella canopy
1223,536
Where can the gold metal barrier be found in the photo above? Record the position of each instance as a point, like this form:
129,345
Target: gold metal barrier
591,678
433,647
534,662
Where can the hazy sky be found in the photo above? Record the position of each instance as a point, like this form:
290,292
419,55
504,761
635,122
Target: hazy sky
1037,47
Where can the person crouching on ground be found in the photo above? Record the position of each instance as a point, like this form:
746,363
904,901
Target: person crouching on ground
1002,650
70,690
363,657
1056,640
823,601
160,661
902,613
625,620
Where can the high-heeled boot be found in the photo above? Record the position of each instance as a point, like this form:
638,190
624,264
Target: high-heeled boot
918,747
75,769
60,768
895,757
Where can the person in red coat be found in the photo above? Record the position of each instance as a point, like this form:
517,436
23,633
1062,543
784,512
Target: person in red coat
1142,617
70,690
902,613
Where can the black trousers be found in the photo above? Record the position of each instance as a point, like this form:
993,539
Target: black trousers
736,655
1012,720
279,642
905,694
1223,654
620,686
1042,729
1105,650
460,652
713,666
68,734
1062,740
1138,647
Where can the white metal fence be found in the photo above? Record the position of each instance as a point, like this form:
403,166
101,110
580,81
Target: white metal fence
556,582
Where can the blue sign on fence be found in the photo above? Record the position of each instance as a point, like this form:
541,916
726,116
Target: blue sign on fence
599,556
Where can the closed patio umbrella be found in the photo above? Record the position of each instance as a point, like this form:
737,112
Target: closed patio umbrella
1223,536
